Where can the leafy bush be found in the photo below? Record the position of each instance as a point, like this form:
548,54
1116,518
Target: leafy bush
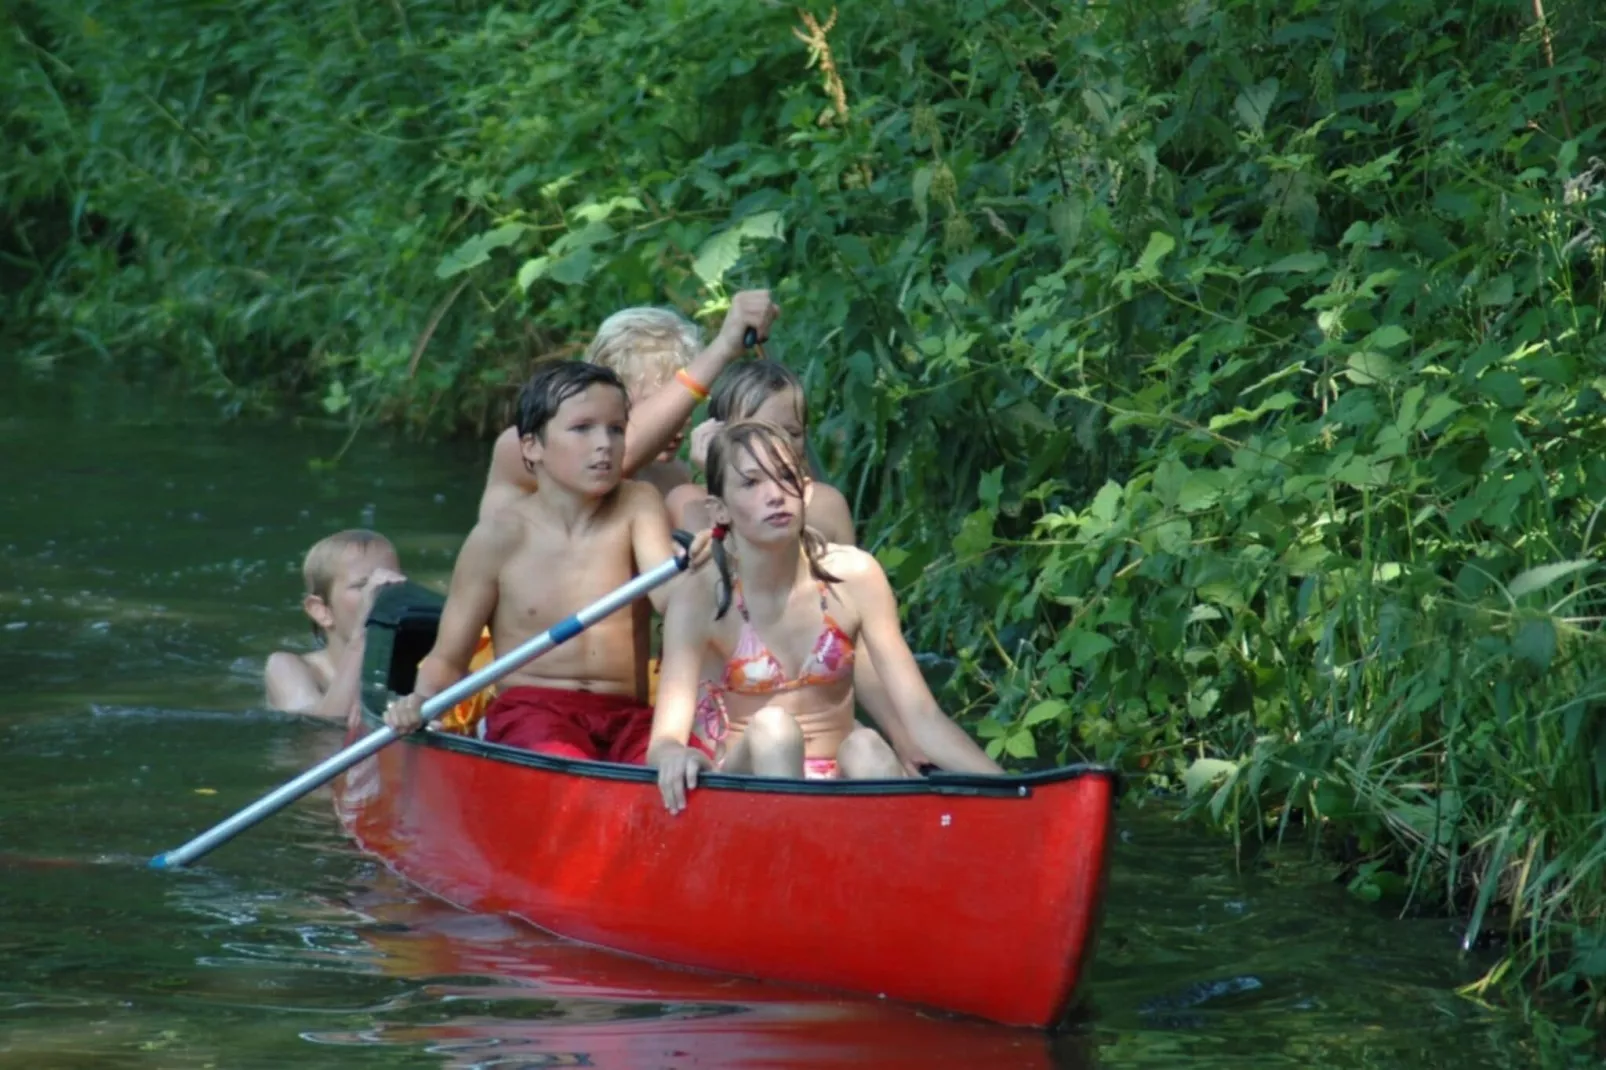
1221,379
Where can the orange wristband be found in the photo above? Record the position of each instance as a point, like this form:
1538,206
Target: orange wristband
698,390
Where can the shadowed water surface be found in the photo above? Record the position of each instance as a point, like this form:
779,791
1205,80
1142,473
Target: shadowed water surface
146,571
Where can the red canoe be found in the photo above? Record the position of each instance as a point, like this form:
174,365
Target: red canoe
972,894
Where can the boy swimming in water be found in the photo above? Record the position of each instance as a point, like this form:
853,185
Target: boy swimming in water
342,574
656,353
582,533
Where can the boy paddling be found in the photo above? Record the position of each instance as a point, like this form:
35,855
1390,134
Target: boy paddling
582,533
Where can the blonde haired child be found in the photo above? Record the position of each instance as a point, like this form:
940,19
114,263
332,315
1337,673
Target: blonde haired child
342,573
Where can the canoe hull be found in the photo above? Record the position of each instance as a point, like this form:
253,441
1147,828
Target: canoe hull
976,895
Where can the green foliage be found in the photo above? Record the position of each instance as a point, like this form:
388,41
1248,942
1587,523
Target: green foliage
1221,379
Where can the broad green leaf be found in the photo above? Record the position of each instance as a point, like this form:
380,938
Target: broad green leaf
1542,576
572,269
1387,337
1106,502
1066,217
1367,368
1504,388
890,557
992,485
975,534
1535,642
1085,646
1160,243
1265,300
477,250
1048,710
596,213
1174,536
1410,408
1253,105
1298,264
1169,477
532,270
720,252
1498,291
1362,472
1201,490
1020,745
1276,403
1439,409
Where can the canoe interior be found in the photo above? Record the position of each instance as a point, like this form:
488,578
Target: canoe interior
401,631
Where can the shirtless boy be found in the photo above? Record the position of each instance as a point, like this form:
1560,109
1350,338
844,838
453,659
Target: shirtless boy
584,532
655,353
342,574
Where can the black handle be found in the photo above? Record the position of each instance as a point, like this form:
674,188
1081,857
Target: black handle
684,539
750,338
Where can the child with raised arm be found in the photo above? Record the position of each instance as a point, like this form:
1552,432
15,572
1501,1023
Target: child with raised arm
804,608
583,533
655,351
342,574
769,392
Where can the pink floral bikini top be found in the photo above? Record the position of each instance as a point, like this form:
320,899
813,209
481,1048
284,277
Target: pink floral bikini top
753,670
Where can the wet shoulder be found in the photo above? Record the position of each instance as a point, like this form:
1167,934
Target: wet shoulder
829,513
637,497
502,532
849,563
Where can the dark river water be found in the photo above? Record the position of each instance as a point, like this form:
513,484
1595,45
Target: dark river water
147,568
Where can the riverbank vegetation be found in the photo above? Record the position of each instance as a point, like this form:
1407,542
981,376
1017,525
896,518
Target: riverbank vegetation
1223,379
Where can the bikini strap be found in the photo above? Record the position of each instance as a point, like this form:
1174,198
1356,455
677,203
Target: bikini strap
825,604
741,603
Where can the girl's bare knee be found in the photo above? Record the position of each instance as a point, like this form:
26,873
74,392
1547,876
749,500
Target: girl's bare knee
774,725
864,755
775,743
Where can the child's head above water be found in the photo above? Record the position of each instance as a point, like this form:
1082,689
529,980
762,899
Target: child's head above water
645,347
571,422
766,391
336,572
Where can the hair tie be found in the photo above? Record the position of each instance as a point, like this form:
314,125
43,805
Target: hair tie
719,531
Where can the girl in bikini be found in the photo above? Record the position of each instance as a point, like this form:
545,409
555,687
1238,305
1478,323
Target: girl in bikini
781,596
770,392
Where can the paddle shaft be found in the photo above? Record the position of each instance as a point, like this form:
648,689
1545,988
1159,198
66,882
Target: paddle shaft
436,705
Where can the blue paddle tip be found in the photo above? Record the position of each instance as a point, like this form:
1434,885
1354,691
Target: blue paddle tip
159,862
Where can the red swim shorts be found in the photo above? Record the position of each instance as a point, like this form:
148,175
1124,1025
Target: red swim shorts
571,724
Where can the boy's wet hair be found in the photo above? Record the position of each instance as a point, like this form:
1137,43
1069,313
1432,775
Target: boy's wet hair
556,382
322,562
742,391
645,346
766,443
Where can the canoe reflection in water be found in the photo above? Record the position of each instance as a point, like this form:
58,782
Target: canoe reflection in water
495,992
